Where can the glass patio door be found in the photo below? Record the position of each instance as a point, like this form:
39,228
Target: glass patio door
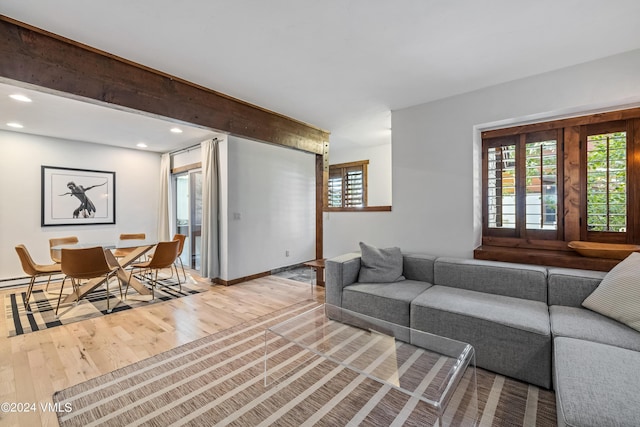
188,214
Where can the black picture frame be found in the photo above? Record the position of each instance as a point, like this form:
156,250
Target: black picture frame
77,196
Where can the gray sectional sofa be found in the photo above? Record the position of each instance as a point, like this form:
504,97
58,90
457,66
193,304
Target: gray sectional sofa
524,321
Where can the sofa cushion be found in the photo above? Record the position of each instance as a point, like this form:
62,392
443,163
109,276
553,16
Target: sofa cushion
570,286
499,278
511,336
380,265
574,322
618,295
596,384
386,301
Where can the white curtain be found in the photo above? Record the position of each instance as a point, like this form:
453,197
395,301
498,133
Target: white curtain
209,250
165,201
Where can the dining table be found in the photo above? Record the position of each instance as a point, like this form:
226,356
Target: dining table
137,249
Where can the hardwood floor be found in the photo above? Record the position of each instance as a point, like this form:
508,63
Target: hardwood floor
34,365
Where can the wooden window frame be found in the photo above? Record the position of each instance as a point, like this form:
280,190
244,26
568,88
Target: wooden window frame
343,167
520,230
604,236
486,145
572,188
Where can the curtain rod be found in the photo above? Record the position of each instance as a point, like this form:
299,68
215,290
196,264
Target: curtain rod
187,149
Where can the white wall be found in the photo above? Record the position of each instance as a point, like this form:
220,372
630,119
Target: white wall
436,162
378,172
22,155
188,157
272,188
270,207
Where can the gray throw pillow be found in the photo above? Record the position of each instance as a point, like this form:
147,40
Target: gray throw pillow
380,265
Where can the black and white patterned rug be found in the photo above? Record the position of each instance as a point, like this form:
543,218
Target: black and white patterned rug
42,304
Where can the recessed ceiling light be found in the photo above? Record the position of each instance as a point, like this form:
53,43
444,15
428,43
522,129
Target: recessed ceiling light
15,125
141,145
19,97
176,130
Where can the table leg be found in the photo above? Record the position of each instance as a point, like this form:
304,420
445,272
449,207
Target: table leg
122,275
83,290
133,282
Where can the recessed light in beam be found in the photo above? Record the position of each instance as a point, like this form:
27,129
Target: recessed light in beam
20,97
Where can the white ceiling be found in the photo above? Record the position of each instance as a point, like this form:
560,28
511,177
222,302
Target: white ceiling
343,65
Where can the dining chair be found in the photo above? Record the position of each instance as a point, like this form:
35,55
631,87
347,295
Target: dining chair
57,241
85,264
34,270
123,252
55,253
181,238
164,256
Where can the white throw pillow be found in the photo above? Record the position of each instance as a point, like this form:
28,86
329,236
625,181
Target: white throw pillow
618,295
380,265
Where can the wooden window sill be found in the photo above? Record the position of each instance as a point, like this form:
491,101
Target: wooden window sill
551,258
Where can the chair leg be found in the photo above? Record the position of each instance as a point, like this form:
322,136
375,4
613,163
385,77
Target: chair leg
183,272
119,286
109,277
178,276
126,291
60,296
46,288
108,296
153,285
29,290
76,288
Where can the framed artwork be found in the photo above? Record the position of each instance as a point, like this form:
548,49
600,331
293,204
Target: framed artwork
77,196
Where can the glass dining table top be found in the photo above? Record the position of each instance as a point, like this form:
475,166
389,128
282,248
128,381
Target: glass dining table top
117,244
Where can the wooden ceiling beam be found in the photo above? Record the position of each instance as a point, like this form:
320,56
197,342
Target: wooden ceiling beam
37,57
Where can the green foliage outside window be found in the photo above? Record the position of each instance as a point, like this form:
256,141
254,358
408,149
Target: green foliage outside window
607,182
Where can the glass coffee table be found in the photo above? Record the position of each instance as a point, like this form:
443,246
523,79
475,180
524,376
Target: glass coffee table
425,366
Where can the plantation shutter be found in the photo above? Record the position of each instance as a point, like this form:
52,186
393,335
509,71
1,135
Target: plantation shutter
348,185
354,187
335,188
608,199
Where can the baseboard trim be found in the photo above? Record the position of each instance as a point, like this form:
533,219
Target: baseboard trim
219,281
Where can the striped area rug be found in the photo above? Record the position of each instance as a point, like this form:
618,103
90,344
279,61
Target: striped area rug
43,303
219,380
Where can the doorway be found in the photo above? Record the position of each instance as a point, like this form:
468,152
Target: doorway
188,214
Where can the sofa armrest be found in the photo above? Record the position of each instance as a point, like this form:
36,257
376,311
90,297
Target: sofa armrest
340,271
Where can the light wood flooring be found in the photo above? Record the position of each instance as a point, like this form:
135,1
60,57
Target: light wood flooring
34,365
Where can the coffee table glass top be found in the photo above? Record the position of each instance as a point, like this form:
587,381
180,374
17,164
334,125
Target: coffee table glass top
425,366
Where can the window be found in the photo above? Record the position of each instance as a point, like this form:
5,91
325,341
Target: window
607,182
348,185
546,184
608,191
521,176
501,186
